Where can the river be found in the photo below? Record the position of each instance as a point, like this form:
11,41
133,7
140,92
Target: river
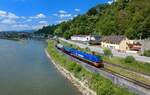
26,70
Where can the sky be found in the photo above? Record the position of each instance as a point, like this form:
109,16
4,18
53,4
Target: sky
34,14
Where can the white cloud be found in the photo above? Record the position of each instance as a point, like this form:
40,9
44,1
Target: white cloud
21,26
41,16
60,21
65,15
9,15
38,16
75,15
14,27
8,21
12,16
43,22
39,26
77,10
29,20
62,12
3,13
110,2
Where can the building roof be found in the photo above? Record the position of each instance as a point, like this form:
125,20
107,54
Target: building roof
79,35
96,36
113,39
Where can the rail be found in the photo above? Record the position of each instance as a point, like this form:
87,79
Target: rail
131,84
117,74
147,86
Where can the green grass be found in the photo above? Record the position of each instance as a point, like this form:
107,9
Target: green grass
146,53
129,74
99,84
137,66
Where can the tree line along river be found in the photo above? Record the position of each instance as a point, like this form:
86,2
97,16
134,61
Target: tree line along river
26,70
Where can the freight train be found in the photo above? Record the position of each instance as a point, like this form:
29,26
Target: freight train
82,56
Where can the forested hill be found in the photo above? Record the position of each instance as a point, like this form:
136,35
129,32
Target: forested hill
123,17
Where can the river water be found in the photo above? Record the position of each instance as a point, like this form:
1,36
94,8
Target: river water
26,70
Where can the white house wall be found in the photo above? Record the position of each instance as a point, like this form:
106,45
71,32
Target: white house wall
110,46
84,38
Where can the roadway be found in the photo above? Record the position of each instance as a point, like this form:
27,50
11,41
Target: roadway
115,53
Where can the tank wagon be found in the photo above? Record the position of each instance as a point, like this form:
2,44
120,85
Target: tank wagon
82,56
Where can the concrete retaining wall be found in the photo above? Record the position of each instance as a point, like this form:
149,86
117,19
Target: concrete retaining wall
120,81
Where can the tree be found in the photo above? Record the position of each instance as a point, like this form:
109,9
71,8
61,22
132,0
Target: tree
71,66
77,68
129,59
123,17
58,31
146,53
66,35
107,52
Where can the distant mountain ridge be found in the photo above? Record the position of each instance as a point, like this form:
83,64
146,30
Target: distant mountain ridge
20,31
123,17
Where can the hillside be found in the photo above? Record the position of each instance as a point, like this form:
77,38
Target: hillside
123,17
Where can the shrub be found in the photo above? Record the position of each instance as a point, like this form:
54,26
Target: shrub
77,68
107,52
146,53
87,49
71,66
129,59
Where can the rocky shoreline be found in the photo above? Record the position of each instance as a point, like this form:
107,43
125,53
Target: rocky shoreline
76,82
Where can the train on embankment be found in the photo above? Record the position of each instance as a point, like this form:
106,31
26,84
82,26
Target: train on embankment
91,59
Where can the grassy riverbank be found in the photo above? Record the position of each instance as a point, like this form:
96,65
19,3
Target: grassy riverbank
99,84
136,65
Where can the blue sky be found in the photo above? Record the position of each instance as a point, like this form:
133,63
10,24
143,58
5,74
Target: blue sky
33,14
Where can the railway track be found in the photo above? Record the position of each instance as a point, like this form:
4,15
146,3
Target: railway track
123,67
111,64
133,74
144,85
141,84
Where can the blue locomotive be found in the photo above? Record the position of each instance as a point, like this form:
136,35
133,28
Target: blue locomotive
83,56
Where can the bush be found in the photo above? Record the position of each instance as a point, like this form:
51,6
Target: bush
87,49
77,68
71,66
146,53
107,52
129,59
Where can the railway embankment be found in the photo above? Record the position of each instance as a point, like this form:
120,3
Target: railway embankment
136,70
129,78
91,82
